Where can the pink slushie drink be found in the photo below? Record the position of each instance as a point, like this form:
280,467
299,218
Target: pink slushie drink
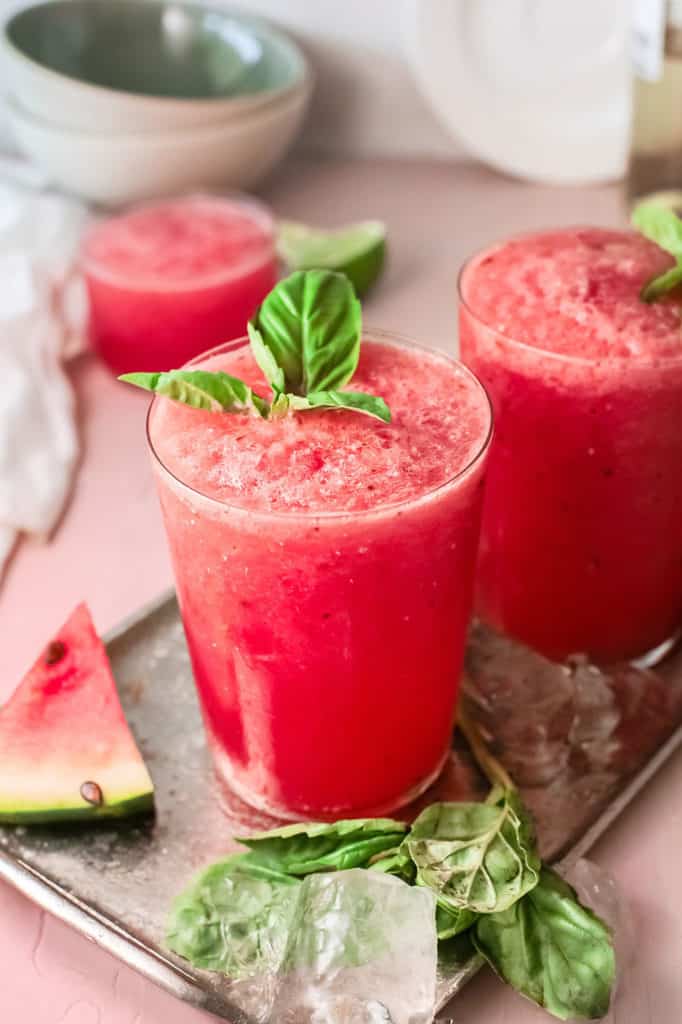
581,549
170,279
324,566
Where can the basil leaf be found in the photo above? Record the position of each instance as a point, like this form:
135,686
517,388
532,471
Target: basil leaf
273,373
307,848
660,225
552,950
280,406
311,323
213,392
662,284
457,953
451,921
395,861
357,401
234,918
479,857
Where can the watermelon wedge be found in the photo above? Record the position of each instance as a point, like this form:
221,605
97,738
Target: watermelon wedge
66,752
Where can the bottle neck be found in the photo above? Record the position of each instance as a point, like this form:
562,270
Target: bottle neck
674,14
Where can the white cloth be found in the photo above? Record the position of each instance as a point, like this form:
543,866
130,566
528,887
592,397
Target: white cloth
39,324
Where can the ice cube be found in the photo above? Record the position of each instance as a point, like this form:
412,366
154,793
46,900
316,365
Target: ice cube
362,950
553,722
596,712
524,703
338,1010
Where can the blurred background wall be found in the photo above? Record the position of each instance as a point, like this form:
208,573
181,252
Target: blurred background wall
364,78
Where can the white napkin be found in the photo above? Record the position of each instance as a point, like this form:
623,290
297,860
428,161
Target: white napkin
40,322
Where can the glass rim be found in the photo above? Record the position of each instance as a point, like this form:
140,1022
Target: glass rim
254,210
311,515
638,361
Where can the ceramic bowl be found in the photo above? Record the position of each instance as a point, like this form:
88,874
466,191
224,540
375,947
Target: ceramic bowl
122,168
134,65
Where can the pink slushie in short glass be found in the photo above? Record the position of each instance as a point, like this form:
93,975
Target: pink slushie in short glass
324,565
170,279
581,549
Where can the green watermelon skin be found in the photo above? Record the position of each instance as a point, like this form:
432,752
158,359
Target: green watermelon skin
63,734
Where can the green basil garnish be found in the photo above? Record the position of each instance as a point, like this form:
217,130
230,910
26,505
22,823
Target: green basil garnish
475,856
552,950
307,848
478,859
311,325
660,225
234,918
305,338
213,392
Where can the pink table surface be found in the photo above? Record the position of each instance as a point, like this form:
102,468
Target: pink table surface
110,550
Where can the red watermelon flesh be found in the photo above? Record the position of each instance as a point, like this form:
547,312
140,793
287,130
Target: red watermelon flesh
66,752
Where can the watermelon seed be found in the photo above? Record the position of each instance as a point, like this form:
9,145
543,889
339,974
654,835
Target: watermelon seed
92,794
54,652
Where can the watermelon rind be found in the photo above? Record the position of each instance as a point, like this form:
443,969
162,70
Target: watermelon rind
55,812
64,737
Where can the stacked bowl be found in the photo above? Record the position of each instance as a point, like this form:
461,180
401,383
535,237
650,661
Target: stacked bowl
124,100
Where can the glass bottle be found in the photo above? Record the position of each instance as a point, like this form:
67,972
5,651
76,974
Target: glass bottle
655,162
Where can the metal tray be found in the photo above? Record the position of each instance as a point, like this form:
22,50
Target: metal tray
114,883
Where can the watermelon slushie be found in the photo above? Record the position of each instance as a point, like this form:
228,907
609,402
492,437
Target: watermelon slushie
324,565
168,280
581,549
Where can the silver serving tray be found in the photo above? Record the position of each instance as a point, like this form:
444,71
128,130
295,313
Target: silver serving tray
114,883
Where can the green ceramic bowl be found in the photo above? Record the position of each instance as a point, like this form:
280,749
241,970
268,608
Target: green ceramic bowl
126,65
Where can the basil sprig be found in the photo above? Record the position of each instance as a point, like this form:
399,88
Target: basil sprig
480,861
660,225
305,338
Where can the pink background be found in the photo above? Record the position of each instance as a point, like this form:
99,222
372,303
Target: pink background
110,551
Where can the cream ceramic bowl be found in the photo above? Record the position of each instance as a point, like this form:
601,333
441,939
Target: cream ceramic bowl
134,65
121,168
